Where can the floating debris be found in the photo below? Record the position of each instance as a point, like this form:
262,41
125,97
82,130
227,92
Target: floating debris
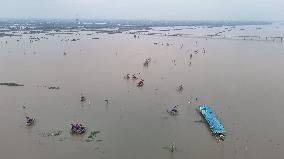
62,138
181,46
189,102
199,121
91,137
172,148
180,88
53,87
93,134
99,140
52,133
55,133
10,84
49,87
88,140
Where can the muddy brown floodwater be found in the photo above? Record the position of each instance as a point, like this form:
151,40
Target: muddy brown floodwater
241,79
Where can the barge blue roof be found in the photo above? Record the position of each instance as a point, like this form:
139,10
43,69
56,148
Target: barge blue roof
215,125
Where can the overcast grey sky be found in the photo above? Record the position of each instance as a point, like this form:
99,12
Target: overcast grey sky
145,9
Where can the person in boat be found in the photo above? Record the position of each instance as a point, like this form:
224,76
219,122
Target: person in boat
83,98
134,76
78,128
172,147
29,120
180,87
173,110
146,62
140,83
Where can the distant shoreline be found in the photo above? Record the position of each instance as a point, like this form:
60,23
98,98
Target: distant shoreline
124,25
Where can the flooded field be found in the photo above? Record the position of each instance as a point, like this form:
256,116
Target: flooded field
242,79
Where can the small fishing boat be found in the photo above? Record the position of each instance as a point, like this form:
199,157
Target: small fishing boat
29,121
215,125
140,83
173,110
134,77
127,76
172,148
82,99
78,129
180,88
147,61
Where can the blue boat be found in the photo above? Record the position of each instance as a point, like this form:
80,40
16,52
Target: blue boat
215,125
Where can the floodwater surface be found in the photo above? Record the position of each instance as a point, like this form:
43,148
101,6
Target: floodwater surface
241,79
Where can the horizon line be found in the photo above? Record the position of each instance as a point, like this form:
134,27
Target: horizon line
132,19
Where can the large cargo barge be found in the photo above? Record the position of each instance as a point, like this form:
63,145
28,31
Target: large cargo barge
215,125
